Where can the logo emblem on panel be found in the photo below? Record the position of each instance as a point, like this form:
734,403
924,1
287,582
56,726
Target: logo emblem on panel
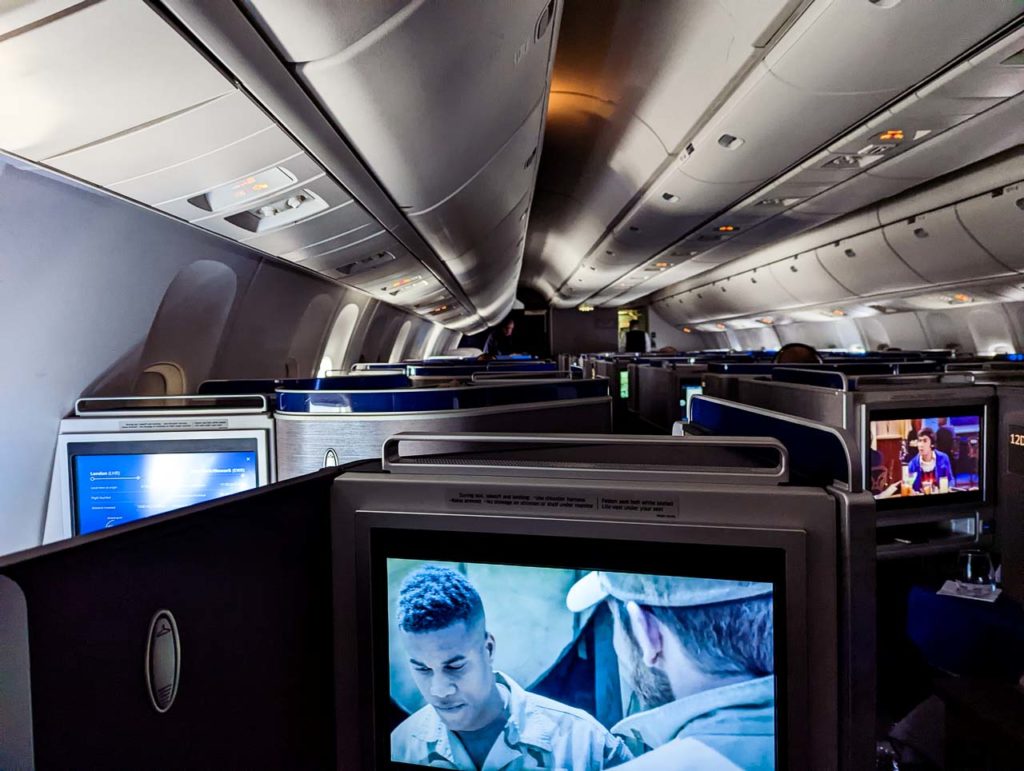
163,660
331,458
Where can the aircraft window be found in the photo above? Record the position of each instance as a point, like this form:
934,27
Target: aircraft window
341,335
162,379
189,325
399,347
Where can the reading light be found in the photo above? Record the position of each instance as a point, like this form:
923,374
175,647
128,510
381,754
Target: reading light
727,228
687,330
961,297
584,308
663,265
892,135
719,326
767,320
837,312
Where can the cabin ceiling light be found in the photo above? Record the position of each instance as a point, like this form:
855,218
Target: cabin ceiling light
584,308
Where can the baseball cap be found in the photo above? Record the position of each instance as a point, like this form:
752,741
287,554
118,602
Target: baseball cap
666,591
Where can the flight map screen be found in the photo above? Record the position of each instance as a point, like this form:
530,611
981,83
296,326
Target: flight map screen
493,665
111,489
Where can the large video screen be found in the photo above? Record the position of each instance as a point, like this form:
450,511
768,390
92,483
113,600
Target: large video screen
111,488
493,665
926,457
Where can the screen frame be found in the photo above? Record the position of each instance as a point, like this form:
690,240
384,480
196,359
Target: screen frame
372,651
197,441
967,500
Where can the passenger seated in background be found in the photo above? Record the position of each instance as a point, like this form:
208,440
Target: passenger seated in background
635,340
797,353
475,716
700,658
499,342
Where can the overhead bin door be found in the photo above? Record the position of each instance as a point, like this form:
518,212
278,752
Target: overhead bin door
805,279
996,221
469,93
866,264
937,247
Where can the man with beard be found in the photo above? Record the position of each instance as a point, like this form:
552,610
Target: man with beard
476,717
698,654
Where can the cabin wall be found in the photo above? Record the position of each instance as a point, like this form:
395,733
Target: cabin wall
101,297
666,334
575,332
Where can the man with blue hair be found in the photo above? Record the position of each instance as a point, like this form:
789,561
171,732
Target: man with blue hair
699,656
476,718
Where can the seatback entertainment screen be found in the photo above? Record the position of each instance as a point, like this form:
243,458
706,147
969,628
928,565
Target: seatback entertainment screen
926,457
115,483
688,392
496,665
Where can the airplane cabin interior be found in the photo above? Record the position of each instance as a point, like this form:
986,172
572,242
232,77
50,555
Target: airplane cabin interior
493,385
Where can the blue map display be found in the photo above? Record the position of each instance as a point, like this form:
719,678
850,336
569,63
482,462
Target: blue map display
113,489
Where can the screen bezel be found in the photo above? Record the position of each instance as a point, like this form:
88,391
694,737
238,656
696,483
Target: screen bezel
138,443
374,685
971,498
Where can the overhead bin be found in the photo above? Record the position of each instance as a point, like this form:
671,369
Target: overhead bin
744,142
468,98
936,246
306,30
467,216
100,70
996,221
866,264
761,289
805,279
824,51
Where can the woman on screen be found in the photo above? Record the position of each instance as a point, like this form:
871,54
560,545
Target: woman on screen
929,466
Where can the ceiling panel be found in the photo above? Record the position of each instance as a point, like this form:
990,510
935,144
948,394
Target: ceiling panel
65,84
